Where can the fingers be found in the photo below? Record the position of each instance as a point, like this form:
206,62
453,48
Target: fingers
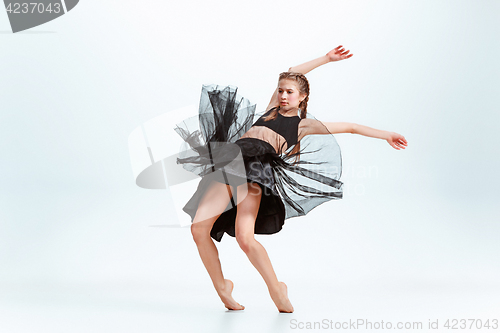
339,49
344,54
340,52
400,144
403,141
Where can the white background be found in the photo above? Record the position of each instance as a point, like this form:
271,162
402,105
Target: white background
414,238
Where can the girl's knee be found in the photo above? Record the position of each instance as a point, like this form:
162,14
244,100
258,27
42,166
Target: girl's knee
200,232
245,241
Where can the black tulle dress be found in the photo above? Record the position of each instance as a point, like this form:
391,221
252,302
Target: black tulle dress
225,144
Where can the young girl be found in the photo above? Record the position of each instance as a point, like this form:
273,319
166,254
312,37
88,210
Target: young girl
290,164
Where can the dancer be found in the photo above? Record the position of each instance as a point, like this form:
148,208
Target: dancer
292,163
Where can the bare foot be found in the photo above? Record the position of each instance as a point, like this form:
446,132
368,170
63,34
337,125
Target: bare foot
281,299
227,299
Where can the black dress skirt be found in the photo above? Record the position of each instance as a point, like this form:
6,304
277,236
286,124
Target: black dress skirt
215,151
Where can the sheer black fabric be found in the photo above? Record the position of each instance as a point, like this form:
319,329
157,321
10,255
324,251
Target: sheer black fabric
222,145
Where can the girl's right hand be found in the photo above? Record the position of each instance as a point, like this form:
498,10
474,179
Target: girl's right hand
338,53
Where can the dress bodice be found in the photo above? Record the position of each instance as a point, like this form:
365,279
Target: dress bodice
287,127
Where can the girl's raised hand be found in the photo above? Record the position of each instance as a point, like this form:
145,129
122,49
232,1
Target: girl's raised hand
339,53
397,141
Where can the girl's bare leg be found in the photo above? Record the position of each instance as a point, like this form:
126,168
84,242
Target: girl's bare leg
256,253
210,208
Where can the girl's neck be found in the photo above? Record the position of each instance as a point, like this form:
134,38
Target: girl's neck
289,113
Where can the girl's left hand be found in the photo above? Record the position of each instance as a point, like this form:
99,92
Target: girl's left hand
397,141
339,53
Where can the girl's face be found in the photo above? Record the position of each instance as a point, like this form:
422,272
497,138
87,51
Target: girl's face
289,96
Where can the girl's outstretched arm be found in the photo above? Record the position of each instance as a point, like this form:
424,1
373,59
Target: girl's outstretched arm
396,140
311,126
338,53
